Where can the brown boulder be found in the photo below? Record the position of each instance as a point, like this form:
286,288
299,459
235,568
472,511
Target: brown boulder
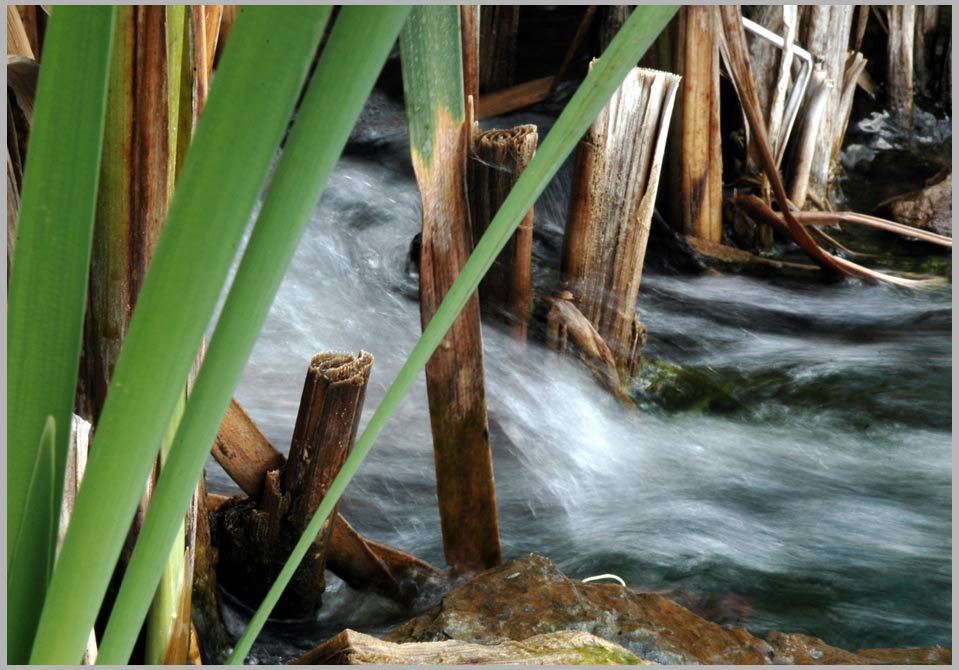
798,649
929,209
919,656
530,596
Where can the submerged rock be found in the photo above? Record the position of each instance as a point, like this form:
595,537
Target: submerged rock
929,209
559,648
530,597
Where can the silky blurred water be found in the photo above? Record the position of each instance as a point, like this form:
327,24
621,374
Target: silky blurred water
815,494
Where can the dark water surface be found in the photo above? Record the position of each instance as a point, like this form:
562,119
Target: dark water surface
800,467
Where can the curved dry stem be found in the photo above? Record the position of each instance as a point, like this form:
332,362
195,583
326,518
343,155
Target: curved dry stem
827,218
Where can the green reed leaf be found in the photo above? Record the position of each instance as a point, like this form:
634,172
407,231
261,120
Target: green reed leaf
344,77
48,285
256,87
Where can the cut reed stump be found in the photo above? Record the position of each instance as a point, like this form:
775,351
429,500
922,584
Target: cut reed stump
255,537
696,163
611,206
510,99
439,141
248,456
497,159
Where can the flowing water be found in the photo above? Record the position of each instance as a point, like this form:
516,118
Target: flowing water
797,475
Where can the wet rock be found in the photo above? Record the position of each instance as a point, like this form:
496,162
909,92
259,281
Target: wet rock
919,656
929,209
797,649
559,648
530,596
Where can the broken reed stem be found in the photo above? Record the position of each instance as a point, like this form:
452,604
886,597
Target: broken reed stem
226,27
34,22
499,26
696,167
363,564
212,16
855,66
829,218
244,451
824,30
568,329
807,141
469,31
247,456
18,43
77,453
255,537
611,206
497,159
133,194
899,72
777,107
516,97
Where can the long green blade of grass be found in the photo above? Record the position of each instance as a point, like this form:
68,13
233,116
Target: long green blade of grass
263,69
343,80
632,41
48,283
32,560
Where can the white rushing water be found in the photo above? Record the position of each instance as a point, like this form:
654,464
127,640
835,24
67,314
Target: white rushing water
817,490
